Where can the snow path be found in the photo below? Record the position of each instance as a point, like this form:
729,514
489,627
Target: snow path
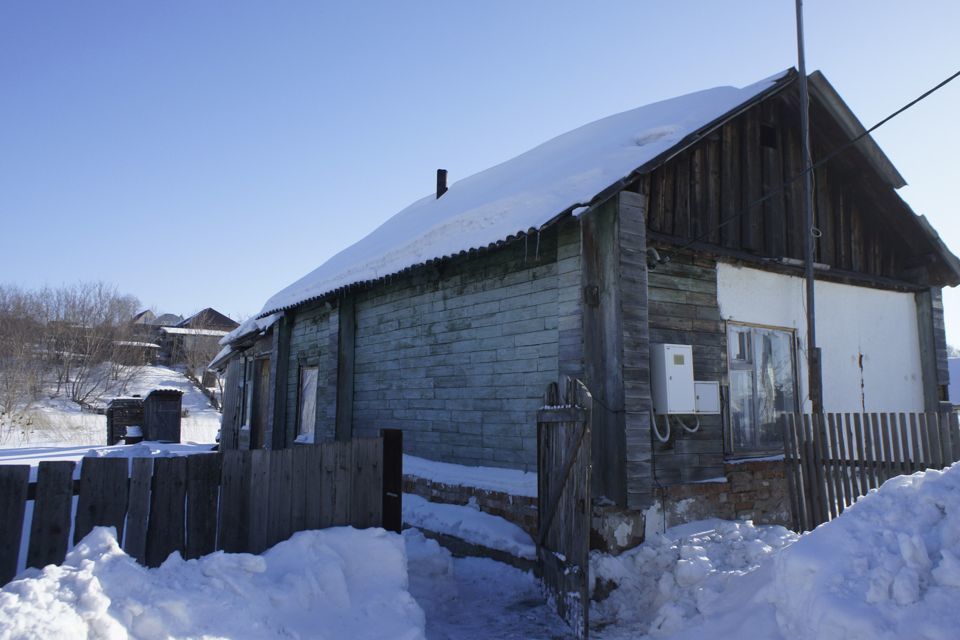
476,598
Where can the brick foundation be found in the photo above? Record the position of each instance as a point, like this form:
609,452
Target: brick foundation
520,510
752,491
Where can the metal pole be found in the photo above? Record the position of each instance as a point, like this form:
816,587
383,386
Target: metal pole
813,353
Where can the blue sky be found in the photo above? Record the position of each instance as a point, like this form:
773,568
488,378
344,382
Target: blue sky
209,153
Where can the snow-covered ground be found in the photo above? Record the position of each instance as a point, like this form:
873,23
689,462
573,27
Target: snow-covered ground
57,421
331,584
510,481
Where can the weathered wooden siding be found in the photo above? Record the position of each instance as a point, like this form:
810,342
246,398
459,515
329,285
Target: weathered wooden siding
459,359
313,342
683,309
864,226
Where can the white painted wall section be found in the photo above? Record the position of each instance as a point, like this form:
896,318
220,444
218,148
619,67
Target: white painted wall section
880,326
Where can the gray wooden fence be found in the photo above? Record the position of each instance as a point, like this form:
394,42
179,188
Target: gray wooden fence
237,501
563,479
833,459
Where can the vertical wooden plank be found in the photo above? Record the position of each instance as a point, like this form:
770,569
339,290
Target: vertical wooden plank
343,484
50,528
907,458
259,511
681,210
774,220
138,508
876,450
730,191
936,450
955,434
822,441
367,498
279,498
165,527
392,499
849,457
298,488
842,466
925,440
329,459
946,442
790,459
897,454
712,194
345,368
233,529
863,485
312,487
752,221
813,475
103,496
203,492
886,443
13,500
916,457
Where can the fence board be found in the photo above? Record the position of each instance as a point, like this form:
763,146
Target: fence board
896,468
904,433
298,488
955,430
392,479
50,527
858,435
203,490
367,495
234,530
875,451
165,527
917,457
138,508
103,496
342,483
278,496
13,500
847,451
328,476
819,440
846,470
946,441
312,480
259,511
791,470
836,467
933,428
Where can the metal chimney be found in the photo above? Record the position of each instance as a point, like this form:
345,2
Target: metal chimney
441,182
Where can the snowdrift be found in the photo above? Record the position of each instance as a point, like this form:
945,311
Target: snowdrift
888,568
335,583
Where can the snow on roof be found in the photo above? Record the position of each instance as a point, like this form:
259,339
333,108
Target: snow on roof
134,343
522,194
193,332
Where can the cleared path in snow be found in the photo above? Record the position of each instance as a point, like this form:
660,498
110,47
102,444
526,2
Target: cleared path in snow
476,598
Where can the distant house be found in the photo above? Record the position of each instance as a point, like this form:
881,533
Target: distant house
662,225
194,340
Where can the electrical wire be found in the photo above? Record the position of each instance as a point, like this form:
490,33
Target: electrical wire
830,156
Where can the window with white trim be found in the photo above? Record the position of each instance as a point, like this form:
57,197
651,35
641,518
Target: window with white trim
763,386
307,410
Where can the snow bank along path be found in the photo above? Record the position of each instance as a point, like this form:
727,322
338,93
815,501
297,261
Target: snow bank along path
887,568
331,584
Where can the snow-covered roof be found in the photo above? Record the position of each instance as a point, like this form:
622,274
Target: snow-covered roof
523,194
193,332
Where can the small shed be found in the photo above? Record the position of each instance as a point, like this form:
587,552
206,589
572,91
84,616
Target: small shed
123,413
161,415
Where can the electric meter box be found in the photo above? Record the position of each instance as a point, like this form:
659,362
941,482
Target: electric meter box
671,379
707,397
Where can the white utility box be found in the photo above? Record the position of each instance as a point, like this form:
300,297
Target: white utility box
707,397
671,379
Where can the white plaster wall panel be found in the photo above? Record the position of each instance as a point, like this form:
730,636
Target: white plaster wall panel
880,325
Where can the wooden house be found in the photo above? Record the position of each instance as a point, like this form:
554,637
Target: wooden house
675,223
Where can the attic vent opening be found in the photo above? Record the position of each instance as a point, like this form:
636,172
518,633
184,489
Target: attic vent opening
768,136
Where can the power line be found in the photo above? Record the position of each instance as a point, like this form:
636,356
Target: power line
819,163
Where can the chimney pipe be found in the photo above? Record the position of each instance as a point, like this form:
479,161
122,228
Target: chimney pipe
441,182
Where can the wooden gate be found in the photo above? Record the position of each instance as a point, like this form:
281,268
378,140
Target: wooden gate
563,468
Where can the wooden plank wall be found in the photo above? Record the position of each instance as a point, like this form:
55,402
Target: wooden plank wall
683,309
237,501
864,227
833,459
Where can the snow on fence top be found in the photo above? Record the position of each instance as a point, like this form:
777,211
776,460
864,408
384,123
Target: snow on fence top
523,194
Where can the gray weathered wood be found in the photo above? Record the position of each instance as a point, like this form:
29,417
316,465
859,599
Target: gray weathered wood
203,494
345,368
233,529
279,500
258,516
298,488
103,496
138,508
165,527
50,527
312,487
367,498
13,500
343,483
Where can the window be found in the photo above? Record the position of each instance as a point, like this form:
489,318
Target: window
762,386
307,412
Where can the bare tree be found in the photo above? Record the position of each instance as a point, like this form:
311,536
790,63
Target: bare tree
21,371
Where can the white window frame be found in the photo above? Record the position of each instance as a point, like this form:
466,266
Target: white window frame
306,429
